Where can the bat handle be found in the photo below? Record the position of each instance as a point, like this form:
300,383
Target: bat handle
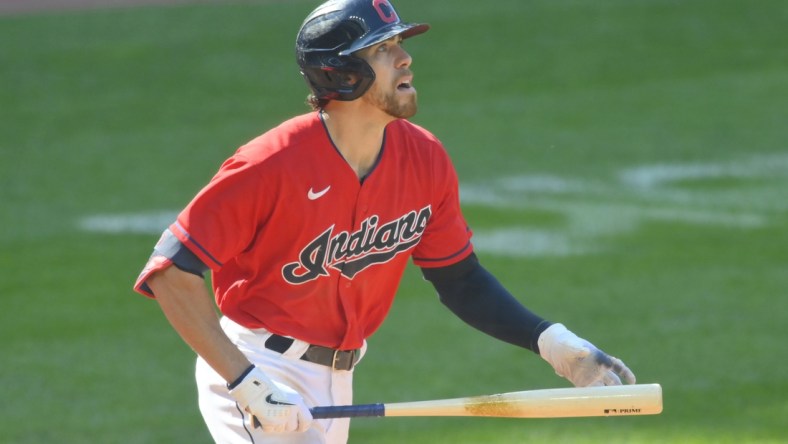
342,411
348,411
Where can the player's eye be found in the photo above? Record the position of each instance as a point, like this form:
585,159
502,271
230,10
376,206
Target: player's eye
394,41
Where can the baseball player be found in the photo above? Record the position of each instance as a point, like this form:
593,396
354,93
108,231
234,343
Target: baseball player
306,231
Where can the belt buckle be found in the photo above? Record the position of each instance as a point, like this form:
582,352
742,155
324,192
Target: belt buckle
338,354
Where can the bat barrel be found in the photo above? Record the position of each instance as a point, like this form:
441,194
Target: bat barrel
621,400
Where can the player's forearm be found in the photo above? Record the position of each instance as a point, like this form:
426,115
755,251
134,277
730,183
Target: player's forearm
189,307
494,311
476,297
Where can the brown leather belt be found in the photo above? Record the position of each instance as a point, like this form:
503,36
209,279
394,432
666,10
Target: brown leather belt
336,359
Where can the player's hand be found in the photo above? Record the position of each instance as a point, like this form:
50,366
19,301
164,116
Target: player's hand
579,361
274,406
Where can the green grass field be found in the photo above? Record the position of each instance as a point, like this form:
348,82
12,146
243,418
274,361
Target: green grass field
624,167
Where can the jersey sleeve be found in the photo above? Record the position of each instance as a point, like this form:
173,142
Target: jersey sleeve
222,220
447,238
156,262
219,222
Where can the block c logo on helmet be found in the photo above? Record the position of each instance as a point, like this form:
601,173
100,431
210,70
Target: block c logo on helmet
385,11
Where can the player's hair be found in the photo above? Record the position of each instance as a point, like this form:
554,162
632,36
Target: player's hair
317,104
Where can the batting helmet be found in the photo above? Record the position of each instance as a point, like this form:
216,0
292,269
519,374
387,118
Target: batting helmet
333,32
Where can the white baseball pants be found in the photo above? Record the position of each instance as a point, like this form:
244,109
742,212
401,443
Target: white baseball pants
318,385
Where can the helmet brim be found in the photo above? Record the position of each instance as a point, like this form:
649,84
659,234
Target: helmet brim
406,30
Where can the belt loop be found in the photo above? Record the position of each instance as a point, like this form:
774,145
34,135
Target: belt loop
296,349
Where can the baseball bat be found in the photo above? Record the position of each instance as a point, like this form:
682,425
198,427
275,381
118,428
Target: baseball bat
619,400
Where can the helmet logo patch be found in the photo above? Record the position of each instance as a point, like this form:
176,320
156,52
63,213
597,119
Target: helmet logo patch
335,62
385,11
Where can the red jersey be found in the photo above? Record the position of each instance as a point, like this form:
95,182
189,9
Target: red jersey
298,245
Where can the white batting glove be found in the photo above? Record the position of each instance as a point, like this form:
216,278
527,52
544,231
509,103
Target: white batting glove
274,406
579,361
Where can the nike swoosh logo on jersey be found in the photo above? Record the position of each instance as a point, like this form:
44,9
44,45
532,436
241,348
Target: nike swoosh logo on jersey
317,195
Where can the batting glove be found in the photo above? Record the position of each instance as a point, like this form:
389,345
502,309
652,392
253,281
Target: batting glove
274,406
579,361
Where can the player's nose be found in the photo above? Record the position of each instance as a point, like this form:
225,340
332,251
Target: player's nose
404,60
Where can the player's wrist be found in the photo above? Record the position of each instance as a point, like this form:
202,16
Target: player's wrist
254,385
537,333
241,377
549,338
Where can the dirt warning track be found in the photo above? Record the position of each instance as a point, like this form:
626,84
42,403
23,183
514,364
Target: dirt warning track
13,7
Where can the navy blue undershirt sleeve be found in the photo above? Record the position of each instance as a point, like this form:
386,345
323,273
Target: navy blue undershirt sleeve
170,247
475,296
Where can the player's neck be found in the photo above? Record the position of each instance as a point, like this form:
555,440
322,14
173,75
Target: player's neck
357,135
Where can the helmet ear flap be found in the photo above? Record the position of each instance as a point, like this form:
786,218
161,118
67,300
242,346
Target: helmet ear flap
348,80
347,83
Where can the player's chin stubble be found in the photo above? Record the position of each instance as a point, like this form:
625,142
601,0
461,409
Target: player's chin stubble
392,104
